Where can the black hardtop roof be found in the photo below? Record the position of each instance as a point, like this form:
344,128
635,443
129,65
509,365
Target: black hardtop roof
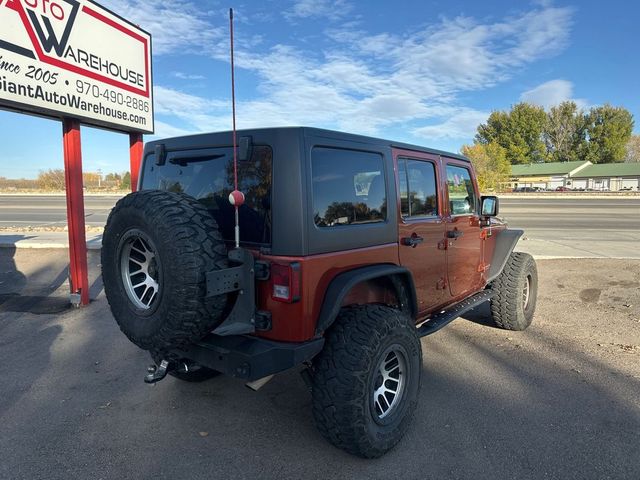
224,137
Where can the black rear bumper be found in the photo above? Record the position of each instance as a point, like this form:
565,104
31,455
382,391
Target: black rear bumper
250,358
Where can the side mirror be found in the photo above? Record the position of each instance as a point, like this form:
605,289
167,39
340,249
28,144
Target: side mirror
489,206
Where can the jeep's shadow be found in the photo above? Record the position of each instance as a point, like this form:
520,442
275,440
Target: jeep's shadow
480,315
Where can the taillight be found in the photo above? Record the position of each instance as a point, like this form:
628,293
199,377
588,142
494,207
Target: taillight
285,282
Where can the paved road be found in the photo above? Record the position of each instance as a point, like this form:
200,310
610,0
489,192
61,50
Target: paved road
576,227
40,210
539,215
561,214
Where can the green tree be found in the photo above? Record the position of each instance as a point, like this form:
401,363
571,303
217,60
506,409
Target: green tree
125,183
490,163
495,130
633,149
518,131
565,132
608,131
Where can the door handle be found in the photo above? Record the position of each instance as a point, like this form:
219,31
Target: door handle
413,241
454,233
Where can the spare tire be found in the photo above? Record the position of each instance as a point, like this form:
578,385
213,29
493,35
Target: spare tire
156,250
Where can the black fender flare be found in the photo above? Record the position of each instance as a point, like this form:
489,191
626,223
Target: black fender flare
340,286
506,241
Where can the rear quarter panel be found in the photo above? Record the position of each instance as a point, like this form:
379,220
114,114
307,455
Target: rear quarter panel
296,322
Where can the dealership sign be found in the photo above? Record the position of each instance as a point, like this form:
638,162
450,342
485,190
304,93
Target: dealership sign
73,58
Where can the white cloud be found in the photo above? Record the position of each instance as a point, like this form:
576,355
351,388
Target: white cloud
187,76
552,93
363,82
463,54
176,25
330,9
461,124
164,130
199,113
169,101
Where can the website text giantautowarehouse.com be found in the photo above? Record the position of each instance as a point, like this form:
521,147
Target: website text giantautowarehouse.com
69,99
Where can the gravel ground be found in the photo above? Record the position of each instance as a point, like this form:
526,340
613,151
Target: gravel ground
559,401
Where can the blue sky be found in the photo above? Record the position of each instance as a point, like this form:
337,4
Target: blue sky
425,72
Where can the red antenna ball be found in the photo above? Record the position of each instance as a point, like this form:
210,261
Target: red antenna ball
236,198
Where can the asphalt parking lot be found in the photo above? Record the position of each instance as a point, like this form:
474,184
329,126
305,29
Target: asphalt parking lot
559,401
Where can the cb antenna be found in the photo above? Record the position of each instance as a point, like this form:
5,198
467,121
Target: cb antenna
236,198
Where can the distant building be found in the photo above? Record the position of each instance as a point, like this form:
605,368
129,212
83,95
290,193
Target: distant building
577,176
609,176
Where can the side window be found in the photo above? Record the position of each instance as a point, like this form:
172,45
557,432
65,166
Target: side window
418,196
462,196
348,187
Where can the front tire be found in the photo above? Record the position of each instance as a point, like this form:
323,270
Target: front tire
366,380
516,291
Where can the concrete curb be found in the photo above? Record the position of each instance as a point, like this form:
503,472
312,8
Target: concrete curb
94,243
35,241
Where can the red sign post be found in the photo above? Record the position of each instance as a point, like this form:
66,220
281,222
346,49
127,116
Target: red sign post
136,146
78,270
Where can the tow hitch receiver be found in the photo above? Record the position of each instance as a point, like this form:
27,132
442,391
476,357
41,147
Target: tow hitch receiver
157,373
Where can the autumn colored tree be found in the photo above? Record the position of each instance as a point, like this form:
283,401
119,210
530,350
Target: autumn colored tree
17,183
52,179
633,149
90,179
490,163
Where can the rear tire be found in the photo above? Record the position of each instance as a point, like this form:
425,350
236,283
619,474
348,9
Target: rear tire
166,242
516,291
370,351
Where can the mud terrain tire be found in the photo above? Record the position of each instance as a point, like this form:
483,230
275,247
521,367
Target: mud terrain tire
516,290
168,242
347,378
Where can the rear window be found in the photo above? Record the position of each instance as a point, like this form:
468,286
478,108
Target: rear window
207,175
348,187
